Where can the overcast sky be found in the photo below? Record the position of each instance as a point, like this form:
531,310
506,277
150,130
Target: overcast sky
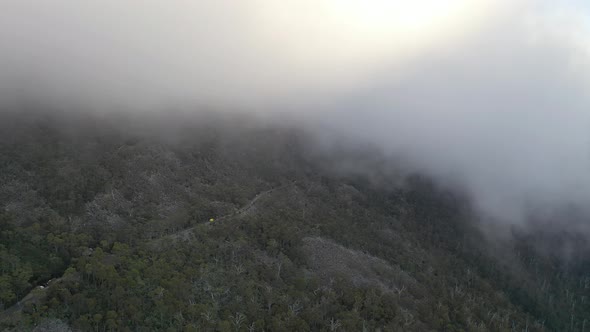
490,96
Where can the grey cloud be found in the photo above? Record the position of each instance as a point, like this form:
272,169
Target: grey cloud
500,111
502,115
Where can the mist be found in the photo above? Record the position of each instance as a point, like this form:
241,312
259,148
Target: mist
490,99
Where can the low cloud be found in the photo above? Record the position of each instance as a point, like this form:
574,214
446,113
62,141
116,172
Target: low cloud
491,98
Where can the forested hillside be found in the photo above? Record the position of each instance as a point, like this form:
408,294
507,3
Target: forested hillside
106,226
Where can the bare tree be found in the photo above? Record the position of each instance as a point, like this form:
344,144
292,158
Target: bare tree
400,290
334,324
237,320
295,308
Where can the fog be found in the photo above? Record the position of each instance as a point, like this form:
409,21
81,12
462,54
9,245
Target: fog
488,97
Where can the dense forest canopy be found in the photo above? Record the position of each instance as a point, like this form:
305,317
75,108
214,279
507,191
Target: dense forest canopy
105,225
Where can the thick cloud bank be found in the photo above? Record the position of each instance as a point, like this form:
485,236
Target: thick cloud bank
489,96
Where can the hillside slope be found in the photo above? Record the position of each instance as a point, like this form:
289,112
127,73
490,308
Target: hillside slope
118,219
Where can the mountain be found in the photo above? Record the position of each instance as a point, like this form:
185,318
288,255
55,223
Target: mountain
212,223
